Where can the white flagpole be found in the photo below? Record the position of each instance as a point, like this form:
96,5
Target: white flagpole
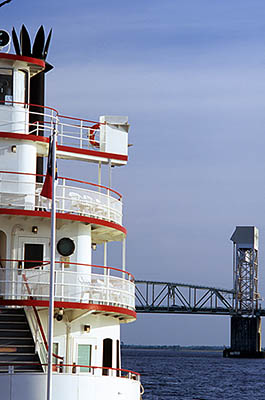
52,266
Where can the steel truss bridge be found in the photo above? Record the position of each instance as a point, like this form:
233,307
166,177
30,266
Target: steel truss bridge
179,298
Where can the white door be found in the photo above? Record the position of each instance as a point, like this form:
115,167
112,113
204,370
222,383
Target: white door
84,353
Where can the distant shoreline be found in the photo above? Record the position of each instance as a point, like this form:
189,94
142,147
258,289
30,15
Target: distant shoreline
172,347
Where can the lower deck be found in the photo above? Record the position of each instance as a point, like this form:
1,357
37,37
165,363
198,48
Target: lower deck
84,345
68,386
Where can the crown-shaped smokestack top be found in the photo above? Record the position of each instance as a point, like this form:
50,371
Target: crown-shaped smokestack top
38,50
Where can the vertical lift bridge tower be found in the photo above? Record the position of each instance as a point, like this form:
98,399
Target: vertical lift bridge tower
246,324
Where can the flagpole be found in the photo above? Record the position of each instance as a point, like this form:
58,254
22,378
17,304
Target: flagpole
52,266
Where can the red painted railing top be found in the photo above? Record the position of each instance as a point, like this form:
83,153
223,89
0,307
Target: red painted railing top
45,263
29,59
81,119
68,179
27,105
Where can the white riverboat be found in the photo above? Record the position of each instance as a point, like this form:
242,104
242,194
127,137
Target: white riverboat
90,301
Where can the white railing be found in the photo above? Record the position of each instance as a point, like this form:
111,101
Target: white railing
40,348
87,284
18,117
20,190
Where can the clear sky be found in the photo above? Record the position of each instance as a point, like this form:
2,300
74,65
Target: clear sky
191,77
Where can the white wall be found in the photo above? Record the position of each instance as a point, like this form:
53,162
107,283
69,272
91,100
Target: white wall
68,387
101,327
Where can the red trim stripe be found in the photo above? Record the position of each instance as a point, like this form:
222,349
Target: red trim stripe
23,136
15,57
68,149
71,217
65,305
93,153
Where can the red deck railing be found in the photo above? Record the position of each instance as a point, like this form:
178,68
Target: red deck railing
73,196
61,368
75,283
122,274
72,131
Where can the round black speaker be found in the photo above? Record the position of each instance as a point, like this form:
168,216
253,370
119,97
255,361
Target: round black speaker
66,247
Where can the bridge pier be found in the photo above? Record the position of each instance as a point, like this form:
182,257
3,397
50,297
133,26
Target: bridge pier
245,338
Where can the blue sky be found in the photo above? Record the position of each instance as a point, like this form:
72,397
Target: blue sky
191,77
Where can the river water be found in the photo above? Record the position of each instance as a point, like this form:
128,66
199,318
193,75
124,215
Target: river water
196,375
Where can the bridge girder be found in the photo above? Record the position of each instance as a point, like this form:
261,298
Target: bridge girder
179,298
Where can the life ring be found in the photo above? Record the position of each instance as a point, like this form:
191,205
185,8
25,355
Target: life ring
92,133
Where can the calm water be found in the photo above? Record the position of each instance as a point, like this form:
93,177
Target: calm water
190,375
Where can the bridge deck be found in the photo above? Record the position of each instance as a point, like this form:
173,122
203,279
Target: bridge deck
180,298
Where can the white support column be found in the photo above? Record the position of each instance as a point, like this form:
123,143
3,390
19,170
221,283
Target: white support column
105,259
63,196
67,346
124,254
99,175
105,254
109,173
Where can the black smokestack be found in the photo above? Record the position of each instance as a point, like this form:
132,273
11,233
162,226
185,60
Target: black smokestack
37,82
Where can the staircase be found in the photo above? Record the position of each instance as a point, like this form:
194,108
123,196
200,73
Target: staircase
16,342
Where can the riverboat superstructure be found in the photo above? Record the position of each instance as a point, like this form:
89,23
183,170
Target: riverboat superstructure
91,301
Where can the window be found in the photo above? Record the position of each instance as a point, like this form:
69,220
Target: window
6,86
33,254
22,86
84,356
107,355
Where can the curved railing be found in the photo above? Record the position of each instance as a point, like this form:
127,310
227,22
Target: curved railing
73,282
75,369
20,190
41,121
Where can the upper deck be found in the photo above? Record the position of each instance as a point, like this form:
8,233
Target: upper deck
25,130
20,194
104,141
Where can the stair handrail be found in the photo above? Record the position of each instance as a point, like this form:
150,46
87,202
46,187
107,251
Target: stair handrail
39,345
39,324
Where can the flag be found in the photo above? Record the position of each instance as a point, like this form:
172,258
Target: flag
47,186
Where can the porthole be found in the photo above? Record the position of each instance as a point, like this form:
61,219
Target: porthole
66,247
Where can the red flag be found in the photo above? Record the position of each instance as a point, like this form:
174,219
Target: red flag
47,186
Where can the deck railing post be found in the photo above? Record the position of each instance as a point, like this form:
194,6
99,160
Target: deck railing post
62,280
108,204
74,368
61,134
108,285
81,134
63,195
11,369
61,367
